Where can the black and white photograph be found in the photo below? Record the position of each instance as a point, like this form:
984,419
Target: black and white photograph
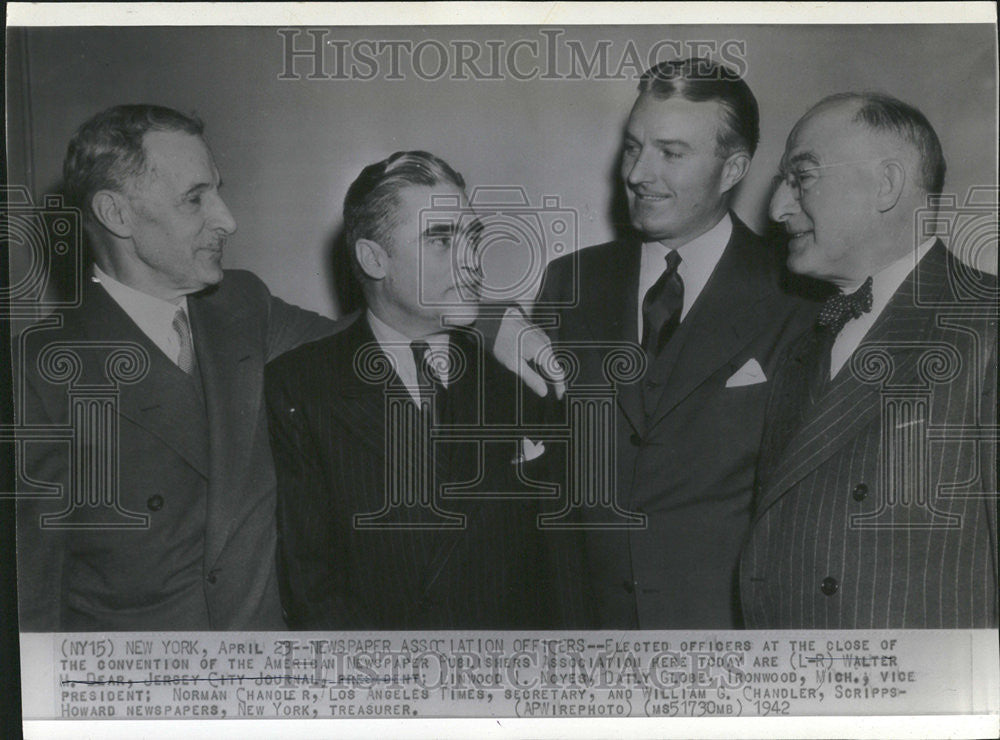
535,369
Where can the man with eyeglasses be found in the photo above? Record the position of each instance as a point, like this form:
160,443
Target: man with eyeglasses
876,503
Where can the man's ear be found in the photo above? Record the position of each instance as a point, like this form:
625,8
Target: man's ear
891,182
112,212
371,257
735,169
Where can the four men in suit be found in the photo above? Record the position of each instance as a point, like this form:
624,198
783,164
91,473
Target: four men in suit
158,512
383,526
874,501
702,294
877,502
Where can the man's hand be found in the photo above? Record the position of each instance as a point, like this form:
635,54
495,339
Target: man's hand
525,349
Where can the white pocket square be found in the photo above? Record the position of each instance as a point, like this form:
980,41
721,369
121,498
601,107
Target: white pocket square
750,374
529,451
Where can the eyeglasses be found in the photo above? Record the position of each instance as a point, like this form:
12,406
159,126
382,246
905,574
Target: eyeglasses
800,179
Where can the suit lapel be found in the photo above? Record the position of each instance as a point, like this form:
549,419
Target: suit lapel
362,405
230,362
162,402
611,308
492,391
850,404
730,311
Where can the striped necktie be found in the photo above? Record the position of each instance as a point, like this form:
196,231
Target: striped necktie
185,358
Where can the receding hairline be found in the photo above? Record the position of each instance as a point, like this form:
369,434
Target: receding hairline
853,105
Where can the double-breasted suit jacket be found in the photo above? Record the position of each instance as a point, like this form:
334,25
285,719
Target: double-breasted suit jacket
880,510
190,470
684,456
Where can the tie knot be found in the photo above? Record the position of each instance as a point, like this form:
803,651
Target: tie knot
673,261
840,308
433,364
180,321
185,345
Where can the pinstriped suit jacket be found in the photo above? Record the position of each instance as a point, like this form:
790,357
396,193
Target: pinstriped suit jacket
881,510
328,430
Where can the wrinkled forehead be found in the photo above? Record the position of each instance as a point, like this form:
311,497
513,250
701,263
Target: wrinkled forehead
178,157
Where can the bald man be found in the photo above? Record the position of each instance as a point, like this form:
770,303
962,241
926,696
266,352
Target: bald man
876,498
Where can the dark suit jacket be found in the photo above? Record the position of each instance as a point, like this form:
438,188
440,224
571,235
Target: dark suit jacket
689,466
329,434
199,468
913,414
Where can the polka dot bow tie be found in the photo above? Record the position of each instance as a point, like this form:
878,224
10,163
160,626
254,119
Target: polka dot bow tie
840,308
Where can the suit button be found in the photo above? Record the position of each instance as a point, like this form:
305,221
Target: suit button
860,492
829,586
629,586
211,577
154,503
635,439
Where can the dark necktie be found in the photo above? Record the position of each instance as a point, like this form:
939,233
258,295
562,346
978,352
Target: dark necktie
661,307
428,380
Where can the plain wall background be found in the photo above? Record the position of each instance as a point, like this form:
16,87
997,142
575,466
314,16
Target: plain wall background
288,150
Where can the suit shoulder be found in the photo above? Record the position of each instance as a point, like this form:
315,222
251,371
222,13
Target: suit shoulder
321,356
37,336
242,285
588,257
587,265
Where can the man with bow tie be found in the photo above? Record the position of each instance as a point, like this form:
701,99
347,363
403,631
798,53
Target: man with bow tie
876,498
394,511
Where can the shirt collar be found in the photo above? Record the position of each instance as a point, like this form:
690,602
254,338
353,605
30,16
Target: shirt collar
703,252
387,335
143,308
397,345
886,281
700,255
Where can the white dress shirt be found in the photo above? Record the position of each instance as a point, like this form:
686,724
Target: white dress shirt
885,283
154,316
397,347
698,260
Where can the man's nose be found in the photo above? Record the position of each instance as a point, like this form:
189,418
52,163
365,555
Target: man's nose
639,170
784,202
222,219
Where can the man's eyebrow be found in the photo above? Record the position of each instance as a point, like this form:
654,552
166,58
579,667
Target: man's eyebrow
440,228
807,157
198,188
671,142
